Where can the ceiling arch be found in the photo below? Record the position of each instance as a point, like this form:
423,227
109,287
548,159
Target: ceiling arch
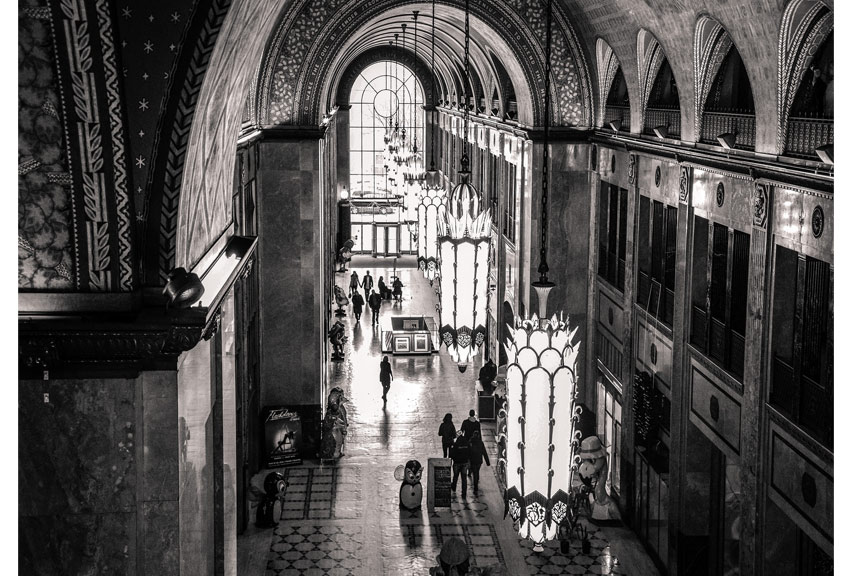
306,58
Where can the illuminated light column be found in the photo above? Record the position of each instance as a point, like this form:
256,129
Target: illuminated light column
430,212
464,253
542,439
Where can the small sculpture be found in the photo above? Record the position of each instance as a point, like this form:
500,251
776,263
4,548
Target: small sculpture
338,339
341,300
593,470
334,425
410,493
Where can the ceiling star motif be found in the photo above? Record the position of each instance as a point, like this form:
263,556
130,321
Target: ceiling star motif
148,80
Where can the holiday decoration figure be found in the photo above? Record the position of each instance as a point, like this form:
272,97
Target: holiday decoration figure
410,493
593,472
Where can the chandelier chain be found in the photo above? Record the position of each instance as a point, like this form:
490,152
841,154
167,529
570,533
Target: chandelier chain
467,86
543,268
415,63
433,78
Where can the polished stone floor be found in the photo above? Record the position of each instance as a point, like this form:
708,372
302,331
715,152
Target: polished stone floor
344,519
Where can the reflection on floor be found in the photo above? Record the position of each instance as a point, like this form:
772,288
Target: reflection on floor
344,519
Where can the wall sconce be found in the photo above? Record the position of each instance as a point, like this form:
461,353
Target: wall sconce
660,131
183,288
727,139
826,154
615,124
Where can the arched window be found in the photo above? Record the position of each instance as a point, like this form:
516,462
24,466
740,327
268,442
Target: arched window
376,103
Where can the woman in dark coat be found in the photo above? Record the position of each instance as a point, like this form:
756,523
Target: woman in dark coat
397,289
357,303
477,452
448,433
386,376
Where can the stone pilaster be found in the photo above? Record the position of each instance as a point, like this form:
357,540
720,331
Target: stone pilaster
755,388
679,402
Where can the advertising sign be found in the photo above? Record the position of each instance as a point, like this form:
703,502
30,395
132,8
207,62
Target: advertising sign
282,438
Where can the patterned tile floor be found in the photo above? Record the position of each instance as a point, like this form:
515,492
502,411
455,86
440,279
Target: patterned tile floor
344,519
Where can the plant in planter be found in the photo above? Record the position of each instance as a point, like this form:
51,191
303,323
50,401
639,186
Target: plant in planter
581,532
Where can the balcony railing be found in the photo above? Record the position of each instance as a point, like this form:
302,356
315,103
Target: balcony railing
621,113
716,123
806,134
653,117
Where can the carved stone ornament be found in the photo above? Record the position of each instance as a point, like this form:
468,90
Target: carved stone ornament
613,162
213,326
248,267
151,341
759,205
714,408
720,196
632,162
653,353
684,184
817,222
593,153
657,176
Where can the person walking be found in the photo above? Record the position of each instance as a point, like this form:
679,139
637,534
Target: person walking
460,463
447,432
354,283
386,376
367,284
374,305
357,304
397,285
477,452
470,425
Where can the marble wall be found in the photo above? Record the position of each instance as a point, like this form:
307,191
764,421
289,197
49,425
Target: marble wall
95,492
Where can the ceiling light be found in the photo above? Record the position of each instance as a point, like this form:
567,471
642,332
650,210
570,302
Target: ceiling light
727,139
826,154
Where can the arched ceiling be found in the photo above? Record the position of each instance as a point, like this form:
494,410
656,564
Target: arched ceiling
312,49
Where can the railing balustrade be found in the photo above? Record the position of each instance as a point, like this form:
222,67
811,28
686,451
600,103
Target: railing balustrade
671,118
716,123
806,134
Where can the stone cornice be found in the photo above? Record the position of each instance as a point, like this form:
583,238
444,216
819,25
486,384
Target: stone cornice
92,344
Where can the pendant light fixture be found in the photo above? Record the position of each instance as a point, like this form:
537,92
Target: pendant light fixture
432,207
464,254
416,172
542,415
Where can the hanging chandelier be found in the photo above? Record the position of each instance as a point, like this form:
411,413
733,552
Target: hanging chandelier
541,378
464,256
416,169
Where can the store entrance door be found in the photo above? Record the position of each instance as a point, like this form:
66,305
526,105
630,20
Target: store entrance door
386,240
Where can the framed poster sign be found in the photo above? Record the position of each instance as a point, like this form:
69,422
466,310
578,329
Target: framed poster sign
282,437
439,483
420,343
402,344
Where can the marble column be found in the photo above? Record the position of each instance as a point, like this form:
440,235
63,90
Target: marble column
292,291
594,187
680,394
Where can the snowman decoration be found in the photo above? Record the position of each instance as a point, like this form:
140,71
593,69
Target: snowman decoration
593,472
410,493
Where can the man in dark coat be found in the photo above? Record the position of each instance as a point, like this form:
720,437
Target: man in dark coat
477,452
367,284
459,454
375,305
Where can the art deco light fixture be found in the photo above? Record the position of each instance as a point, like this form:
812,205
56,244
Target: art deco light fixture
542,415
464,254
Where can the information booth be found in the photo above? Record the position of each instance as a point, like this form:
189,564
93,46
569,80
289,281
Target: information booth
409,335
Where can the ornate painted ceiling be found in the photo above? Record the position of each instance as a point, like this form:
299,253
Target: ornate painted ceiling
129,111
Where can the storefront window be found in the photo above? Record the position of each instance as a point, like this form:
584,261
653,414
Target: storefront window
608,423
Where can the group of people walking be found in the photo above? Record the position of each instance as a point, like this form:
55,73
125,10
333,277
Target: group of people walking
374,299
466,449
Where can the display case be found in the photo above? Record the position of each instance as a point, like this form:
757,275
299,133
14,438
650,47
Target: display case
409,335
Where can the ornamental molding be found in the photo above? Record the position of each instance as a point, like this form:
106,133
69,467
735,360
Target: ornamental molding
684,184
759,205
72,348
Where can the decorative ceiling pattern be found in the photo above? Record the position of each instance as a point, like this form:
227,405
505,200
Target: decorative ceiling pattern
607,65
306,48
711,45
805,25
151,35
650,56
45,233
